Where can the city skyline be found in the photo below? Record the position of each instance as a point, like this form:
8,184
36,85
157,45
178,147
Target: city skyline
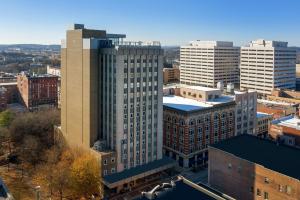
170,22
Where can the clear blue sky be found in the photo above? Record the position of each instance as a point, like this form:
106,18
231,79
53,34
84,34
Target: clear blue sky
173,22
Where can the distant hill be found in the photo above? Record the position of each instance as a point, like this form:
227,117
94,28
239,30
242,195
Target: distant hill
29,47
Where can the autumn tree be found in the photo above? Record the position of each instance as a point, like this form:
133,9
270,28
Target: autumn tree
85,176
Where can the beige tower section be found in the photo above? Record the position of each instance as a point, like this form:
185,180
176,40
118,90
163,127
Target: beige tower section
79,92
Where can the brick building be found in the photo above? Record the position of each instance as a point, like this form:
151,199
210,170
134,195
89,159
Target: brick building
8,94
263,123
191,125
277,109
37,91
246,167
288,96
286,130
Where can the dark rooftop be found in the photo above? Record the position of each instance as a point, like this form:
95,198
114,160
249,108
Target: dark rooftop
138,170
277,157
3,190
185,189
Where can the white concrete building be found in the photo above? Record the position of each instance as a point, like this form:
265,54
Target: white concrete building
53,70
246,108
206,63
266,65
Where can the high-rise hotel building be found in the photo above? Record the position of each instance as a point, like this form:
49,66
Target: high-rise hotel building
266,65
112,97
205,63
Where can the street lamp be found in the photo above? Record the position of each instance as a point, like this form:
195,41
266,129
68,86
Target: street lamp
37,192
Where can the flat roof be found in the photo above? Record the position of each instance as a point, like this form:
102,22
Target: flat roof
10,83
186,104
261,114
288,121
277,157
185,189
141,169
274,102
201,88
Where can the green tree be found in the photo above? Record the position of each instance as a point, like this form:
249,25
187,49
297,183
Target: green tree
6,118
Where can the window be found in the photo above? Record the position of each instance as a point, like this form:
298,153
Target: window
113,170
280,188
266,195
288,189
229,165
105,162
267,180
258,192
113,159
105,172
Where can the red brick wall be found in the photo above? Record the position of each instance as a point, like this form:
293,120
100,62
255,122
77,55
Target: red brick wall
37,91
243,178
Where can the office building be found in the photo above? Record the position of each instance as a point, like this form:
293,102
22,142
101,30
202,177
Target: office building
205,63
112,101
194,118
247,167
171,75
266,65
37,91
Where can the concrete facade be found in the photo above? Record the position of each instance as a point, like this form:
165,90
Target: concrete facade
206,63
266,65
263,123
246,107
171,75
112,92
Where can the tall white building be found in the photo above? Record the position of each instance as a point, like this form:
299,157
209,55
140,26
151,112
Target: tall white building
205,63
266,65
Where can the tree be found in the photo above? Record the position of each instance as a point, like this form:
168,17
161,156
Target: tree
6,118
85,176
40,124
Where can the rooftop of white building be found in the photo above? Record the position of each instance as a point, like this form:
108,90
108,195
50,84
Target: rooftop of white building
10,83
186,104
202,43
261,114
267,43
201,88
288,121
264,101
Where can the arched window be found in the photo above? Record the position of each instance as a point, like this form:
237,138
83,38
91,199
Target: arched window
181,122
174,120
224,115
192,122
199,121
216,116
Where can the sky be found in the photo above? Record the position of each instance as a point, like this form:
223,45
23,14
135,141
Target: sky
172,22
